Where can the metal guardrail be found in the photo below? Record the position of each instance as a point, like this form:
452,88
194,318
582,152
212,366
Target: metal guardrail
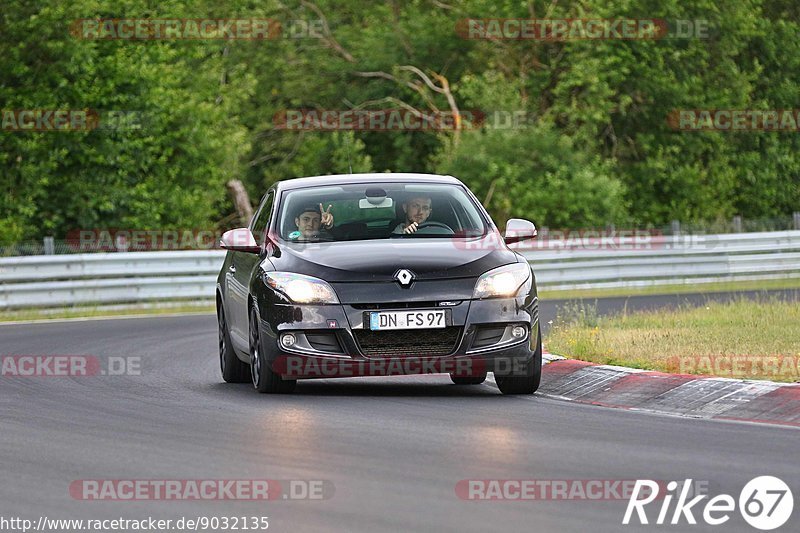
111,278
66,280
669,260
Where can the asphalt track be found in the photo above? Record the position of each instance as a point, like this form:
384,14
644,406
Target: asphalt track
393,448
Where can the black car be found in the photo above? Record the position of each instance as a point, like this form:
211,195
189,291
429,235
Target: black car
377,274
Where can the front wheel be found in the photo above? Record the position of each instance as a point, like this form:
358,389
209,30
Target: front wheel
528,382
264,379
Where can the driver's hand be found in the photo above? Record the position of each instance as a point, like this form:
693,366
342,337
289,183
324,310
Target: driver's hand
411,228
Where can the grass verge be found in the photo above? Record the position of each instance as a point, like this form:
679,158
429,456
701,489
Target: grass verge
744,339
106,311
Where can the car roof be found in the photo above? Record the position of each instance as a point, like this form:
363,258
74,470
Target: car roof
341,179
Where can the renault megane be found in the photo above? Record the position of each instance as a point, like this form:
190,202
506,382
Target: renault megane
377,274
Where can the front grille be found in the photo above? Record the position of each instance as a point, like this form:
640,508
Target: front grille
408,342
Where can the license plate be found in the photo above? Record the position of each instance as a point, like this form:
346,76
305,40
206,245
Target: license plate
407,319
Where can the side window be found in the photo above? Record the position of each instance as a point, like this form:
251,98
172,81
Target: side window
261,218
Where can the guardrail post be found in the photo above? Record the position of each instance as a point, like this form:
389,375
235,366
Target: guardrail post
796,217
542,238
121,243
49,246
737,224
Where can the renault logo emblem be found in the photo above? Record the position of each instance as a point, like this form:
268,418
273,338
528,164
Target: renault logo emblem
404,277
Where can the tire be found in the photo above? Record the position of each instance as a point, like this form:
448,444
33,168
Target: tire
527,383
467,380
232,368
263,378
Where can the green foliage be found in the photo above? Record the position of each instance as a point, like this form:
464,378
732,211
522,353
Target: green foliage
167,170
539,176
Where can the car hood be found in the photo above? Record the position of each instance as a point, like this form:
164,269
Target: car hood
379,260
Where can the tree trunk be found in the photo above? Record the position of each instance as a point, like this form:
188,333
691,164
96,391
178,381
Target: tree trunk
241,200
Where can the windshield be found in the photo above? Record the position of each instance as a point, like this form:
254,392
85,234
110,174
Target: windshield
378,211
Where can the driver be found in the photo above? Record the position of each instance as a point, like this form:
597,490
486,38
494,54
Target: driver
310,220
417,210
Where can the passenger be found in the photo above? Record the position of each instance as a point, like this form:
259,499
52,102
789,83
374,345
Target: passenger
312,223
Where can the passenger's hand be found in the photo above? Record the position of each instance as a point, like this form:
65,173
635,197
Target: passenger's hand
411,228
327,217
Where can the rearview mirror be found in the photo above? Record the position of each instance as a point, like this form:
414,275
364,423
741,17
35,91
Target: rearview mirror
375,198
370,203
518,229
240,240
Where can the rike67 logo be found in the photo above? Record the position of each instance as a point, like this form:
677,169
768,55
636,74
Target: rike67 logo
765,503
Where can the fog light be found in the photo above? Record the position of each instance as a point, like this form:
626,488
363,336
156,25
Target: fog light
288,340
518,332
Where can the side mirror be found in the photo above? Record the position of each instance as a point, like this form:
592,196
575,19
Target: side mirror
518,229
240,240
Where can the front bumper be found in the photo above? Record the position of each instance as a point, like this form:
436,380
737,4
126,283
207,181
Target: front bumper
331,340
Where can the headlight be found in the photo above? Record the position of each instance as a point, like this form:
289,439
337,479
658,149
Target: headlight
301,289
502,282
